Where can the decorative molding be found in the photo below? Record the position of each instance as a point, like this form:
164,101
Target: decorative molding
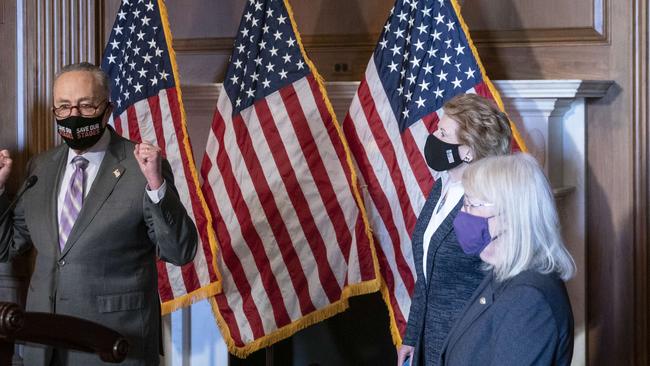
596,33
337,43
197,93
201,98
342,89
561,193
538,105
365,43
316,43
546,91
530,106
537,37
545,98
553,88
211,45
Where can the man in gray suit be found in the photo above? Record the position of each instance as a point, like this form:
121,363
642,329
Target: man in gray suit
101,212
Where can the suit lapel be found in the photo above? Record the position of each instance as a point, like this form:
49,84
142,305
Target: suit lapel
481,301
109,173
421,226
446,226
50,178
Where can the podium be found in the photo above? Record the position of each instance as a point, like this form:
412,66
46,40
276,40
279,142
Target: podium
59,331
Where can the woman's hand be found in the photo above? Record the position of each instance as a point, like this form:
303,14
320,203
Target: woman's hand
404,353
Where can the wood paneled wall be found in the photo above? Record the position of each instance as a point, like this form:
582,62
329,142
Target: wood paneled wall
57,33
640,98
8,77
54,33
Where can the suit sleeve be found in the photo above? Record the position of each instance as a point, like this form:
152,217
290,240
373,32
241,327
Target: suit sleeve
168,224
418,299
418,302
529,333
14,234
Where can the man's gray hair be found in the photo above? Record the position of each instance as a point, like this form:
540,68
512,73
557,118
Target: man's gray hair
100,75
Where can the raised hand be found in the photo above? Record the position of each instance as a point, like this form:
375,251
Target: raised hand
150,160
5,167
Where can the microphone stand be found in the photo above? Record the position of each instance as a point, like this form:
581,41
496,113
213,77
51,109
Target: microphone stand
29,183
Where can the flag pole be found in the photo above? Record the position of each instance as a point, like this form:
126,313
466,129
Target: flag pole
269,355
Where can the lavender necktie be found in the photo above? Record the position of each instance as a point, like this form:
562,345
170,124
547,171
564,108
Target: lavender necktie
73,200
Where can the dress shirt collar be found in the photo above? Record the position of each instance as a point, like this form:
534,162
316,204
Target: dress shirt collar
96,153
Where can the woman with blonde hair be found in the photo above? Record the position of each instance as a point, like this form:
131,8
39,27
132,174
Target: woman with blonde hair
520,314
471,128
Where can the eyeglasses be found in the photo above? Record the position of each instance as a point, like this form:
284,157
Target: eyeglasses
85,109
467,204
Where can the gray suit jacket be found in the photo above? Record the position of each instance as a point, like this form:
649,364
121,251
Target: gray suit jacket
107,270
525,320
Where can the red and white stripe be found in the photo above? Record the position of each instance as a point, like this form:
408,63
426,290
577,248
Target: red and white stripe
396,183
290,230
158,120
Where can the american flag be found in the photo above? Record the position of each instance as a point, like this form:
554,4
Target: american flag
295,243
424,57
145,91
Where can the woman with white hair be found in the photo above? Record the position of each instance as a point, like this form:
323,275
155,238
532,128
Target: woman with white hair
520,314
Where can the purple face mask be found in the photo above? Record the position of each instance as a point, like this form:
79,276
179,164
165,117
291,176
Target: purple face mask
472,232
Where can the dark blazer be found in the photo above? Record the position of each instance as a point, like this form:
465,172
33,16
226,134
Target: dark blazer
452,277
107,270
525,320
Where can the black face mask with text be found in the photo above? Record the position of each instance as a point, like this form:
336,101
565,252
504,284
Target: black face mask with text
81,133
441,156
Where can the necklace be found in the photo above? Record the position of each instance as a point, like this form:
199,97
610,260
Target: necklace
441,202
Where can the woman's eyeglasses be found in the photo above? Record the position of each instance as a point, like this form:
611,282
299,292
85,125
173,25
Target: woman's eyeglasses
467,204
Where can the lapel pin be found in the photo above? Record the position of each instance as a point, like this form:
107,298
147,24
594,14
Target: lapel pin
116,173
482,300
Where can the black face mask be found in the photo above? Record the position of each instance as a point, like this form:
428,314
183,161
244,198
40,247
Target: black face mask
440,155
81,133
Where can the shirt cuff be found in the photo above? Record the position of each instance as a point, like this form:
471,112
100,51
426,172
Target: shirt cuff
156,195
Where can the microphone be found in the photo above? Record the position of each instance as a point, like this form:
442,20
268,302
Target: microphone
29,183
